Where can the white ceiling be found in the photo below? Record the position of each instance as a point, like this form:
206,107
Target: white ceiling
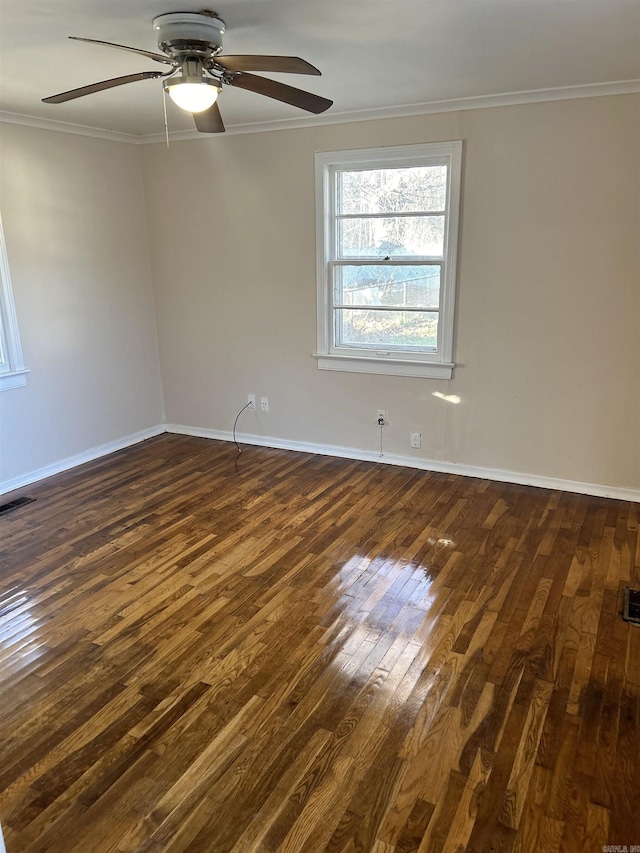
373,54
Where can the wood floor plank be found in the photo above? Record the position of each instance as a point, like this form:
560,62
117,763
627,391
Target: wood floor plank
288,652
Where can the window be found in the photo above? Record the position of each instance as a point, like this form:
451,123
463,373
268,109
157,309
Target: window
387,244
12,370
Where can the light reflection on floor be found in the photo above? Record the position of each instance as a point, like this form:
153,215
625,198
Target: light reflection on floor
381,603
21,642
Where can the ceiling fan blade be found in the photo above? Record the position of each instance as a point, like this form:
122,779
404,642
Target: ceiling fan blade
98,87
286,64
159,57
209,121
282,92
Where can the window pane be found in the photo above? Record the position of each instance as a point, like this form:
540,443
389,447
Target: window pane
386,329
392,190
391,236
412,286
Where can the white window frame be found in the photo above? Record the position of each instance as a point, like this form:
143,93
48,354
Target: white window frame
13,373
438,364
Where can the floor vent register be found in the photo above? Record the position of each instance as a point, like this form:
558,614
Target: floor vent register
631,609
9,507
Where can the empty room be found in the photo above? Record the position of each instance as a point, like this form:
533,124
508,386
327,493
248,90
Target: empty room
320,426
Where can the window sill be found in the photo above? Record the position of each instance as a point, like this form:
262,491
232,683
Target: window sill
13,379
385,367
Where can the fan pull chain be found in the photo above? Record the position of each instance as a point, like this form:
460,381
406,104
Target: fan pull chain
166,123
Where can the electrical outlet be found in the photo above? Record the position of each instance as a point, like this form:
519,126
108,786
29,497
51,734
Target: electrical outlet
251,399
382,413
264,404
416,439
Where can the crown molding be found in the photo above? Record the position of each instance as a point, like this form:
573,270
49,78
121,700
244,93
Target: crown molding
69,127
475,102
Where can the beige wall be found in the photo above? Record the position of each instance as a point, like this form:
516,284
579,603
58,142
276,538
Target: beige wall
548,340
75,228
547,336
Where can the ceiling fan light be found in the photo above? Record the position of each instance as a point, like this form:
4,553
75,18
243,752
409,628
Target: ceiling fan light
193,97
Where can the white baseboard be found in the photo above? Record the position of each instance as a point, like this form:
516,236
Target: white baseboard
79,459
498,474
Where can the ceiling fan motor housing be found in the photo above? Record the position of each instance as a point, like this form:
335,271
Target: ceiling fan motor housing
191,43
191,33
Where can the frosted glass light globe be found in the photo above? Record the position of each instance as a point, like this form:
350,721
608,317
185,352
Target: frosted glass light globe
193,97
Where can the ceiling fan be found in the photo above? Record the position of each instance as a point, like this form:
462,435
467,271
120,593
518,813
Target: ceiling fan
191,43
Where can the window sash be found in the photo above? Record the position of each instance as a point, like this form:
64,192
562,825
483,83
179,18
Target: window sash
391,215
339,240
12,369
333,355
4,362
384,347
333,266
397,308
337,343
345,169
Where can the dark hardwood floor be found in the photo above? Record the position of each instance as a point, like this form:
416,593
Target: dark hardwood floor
288,652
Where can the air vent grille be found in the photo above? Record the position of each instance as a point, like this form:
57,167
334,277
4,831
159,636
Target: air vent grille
631,609
18,502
